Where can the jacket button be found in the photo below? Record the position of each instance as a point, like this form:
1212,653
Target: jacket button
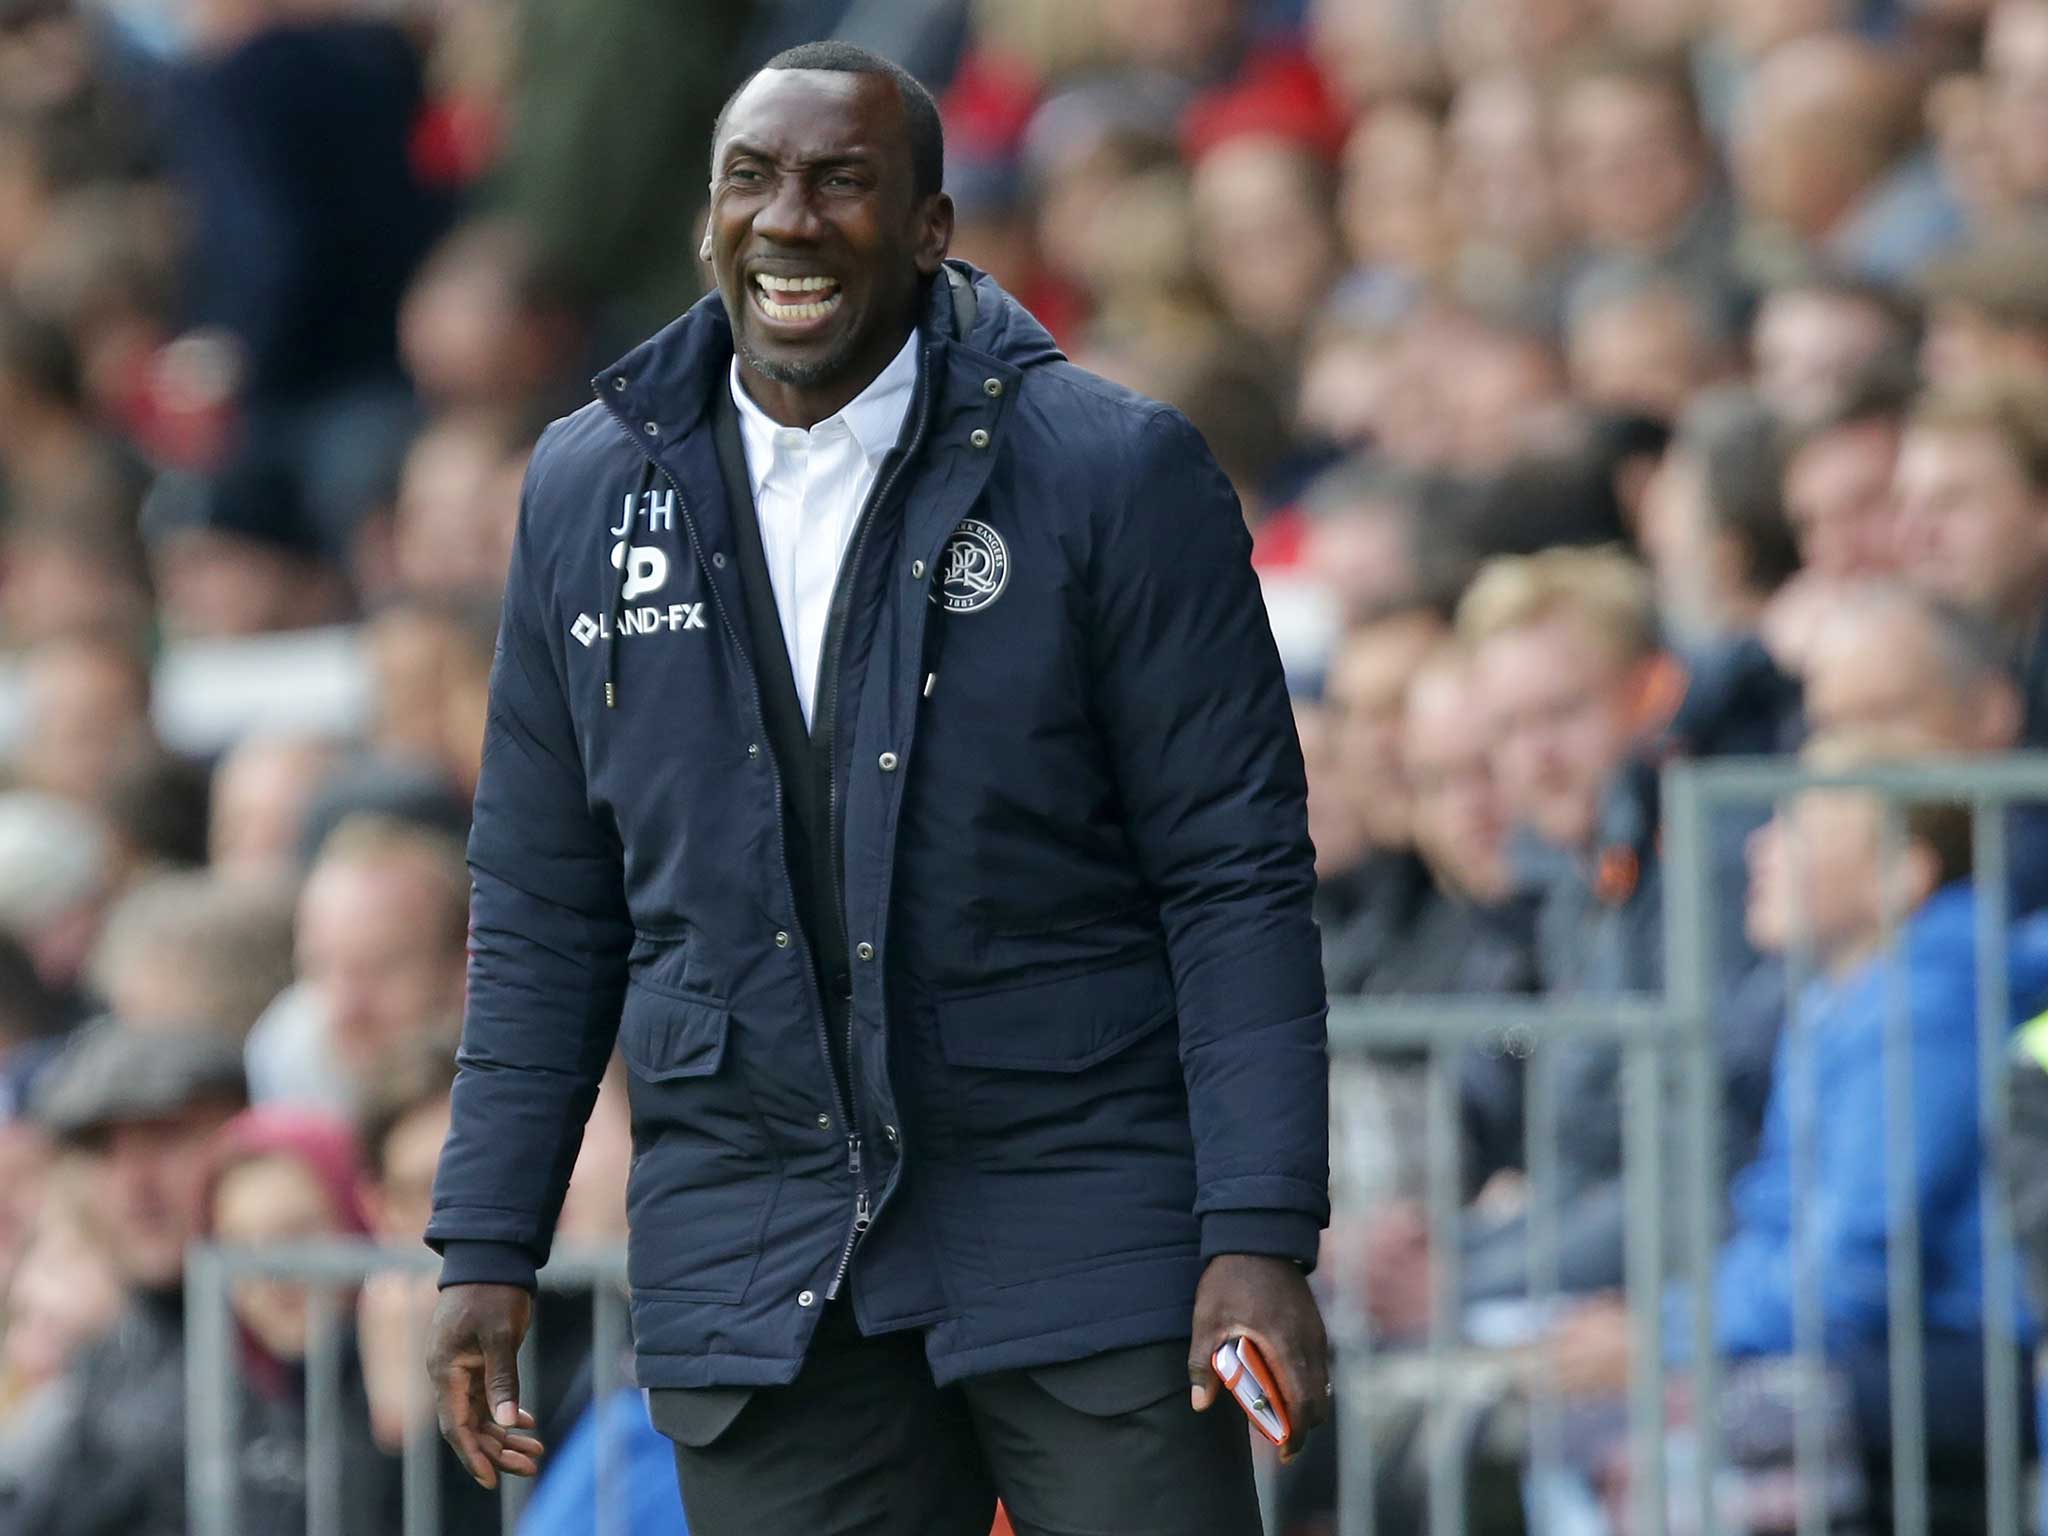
717,561
917,568
992,387
619,385
888,762
865,950
781,938
653,429
889,1134
806,1298
824,1122
977,437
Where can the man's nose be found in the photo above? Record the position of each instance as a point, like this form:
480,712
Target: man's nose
788,217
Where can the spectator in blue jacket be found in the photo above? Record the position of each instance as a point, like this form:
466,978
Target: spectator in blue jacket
1824,884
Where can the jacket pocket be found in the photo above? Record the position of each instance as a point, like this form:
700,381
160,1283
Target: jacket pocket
666,1035
1068,1024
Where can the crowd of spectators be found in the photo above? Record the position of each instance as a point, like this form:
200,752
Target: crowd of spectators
1605,382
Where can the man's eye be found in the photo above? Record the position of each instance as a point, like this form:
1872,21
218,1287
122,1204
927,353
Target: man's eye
841,183
744,175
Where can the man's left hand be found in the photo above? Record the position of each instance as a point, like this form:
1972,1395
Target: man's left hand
1266,1300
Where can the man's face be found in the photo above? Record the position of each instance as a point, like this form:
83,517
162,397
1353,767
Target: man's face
375,945
1560,708
270,1202
1970,528
1632,163
153,1175
1446,753
1815,875
818,237
403,1198
1367,680
1808,346
1838,495
1874,668
85,715
2016,59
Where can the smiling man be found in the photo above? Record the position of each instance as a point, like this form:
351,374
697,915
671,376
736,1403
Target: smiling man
888,751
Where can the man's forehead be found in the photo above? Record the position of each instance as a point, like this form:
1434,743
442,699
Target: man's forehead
800,112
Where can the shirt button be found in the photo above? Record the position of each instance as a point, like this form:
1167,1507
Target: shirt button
806,1298
888,762
992,387
865,951
824,1122
781,939
977,437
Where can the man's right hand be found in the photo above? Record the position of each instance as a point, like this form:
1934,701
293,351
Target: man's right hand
473,1360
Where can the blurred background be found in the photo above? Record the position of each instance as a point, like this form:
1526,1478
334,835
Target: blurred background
1607,383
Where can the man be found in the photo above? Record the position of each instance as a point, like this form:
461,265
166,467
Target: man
949,900
1987,309
2016,64
1816,335
1838,482
381,946
1972,518
1368,677
144,1106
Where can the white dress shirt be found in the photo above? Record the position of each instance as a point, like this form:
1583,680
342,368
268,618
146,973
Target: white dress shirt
809,488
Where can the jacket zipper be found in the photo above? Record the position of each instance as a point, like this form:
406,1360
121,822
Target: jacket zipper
842,1092
834,646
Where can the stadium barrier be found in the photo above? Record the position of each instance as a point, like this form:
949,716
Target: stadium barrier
1674,1193
332,1272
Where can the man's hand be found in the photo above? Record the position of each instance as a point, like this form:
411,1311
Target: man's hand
473,1360
1268,1301
1592,1354
1397,1270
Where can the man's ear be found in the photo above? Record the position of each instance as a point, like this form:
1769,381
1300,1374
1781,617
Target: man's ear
935,232
1917,876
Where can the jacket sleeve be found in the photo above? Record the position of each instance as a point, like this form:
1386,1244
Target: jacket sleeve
549,935
1190,698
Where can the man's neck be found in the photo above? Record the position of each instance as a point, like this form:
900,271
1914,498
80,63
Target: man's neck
805,405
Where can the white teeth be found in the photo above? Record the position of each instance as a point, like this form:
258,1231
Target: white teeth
793,284
813,311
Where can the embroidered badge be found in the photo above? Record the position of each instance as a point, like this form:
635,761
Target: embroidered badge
973,569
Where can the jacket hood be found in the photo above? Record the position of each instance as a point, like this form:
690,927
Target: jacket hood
682,363
1943,934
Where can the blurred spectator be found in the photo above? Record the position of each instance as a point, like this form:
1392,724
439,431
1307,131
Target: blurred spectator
1816,334
484,328
194,951
67,571
282,1177
1392,203
1962,119
1890,661
1825,159
1714,524
458,502
1266,234
1365,542
1641,345
1367,682
155,810
1506,190
55,883
581,153
86,714
432,661
1988,310
383,927
262,791
62,1296
1640,173
1499,389
1972,492
53,460
2016,65
144,1107
303,292
1838,483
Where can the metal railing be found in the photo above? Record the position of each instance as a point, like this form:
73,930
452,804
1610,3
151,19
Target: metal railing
1674,1189
333,1272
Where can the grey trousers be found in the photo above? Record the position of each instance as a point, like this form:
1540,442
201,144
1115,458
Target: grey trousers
863,1443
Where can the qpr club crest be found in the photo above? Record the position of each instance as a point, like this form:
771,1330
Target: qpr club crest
973,569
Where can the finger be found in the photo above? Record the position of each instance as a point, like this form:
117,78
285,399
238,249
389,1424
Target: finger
470,1452
501,1378
1203,1383
1291,1363
504,1440
520,1463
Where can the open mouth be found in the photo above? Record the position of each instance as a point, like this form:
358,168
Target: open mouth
791,300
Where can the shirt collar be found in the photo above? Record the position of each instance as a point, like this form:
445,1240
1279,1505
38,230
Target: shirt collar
874,417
